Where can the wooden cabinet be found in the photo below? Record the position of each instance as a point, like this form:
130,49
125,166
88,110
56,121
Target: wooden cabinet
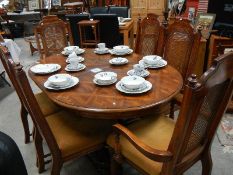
215,40
142,7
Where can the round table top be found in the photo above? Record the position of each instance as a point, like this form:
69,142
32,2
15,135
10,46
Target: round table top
91,100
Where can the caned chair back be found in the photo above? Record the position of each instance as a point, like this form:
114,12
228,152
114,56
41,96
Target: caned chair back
52,35
181,47
204,103
149,36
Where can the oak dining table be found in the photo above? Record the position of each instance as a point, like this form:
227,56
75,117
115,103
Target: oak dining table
105,102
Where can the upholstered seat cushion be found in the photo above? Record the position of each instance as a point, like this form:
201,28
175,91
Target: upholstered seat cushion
46,105
155,132
76,134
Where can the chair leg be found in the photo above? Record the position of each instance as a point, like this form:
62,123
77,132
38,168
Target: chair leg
24,118
172,108
207,163
116,168
56,166
38,140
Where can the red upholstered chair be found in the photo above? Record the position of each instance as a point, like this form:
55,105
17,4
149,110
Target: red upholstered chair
160,146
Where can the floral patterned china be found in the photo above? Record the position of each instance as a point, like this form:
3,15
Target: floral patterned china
45,68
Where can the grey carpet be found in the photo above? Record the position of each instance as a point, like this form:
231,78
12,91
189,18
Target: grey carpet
10,124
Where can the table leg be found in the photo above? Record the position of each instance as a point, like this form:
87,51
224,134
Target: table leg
126,37
131,38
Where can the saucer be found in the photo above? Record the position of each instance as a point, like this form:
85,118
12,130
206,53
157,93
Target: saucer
72,82
144,73
101,51
118,61
120,87
80,59
79,68
104,84
161,63
45,68
78,52
113,52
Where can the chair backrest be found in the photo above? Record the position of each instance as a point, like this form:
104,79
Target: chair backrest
32,105
73,20
204,103
98,10
150,35
109,29
120,11
181,46
52,34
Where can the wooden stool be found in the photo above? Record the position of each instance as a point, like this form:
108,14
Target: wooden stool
82,32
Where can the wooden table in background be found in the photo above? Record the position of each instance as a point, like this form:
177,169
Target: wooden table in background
106,102
127,30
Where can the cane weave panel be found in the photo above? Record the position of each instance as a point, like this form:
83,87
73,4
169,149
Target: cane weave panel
178,50
205,117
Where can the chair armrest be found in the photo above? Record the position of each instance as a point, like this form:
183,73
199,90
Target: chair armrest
151,153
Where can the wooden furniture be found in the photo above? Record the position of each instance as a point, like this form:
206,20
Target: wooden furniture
52,35
128,33
46,105
159,145
215,40
67,135
74,7
223,49
94,24
91,100
180,50
150,35
32,43
140,8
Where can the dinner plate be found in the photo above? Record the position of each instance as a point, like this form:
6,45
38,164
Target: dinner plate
73,82
113,52
144,73
120,87
81,67
118,61
161,63
80,59
45,68
104,84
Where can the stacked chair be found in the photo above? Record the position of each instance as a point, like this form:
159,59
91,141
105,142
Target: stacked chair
67,135
160,146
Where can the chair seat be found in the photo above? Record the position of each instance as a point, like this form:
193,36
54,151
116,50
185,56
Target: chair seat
81,134
155,132
46,105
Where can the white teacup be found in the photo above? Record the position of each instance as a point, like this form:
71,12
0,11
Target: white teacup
101,46
138,69
71,49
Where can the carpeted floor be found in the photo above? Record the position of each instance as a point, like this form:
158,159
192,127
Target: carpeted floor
10,124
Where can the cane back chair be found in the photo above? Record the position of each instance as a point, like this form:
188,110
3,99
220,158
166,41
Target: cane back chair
222,49
159,146
52,35
67,135
46,105
149,37
181,45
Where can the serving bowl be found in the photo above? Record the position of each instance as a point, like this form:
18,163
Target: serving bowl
151,59
106,77
59,79
132,82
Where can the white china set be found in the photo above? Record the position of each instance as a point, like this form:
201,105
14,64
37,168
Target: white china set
105,78
68,50
153,61
121,50
45,68
74,64
101,49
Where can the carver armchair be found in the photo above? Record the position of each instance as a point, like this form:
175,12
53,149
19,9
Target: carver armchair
160,146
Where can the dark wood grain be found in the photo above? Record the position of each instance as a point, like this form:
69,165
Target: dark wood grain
95,101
